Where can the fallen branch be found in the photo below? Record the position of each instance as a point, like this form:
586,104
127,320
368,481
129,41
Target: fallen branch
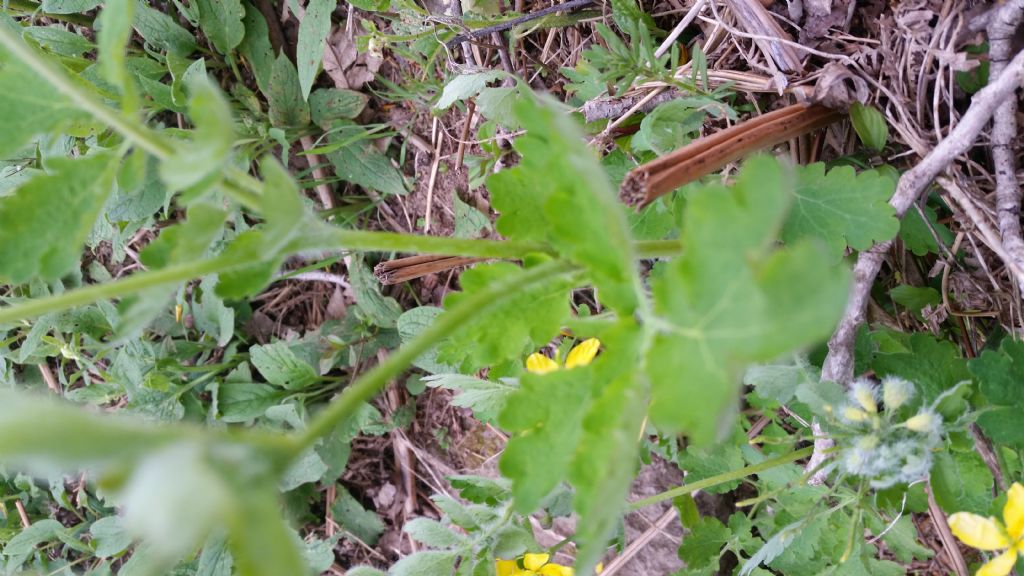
838,366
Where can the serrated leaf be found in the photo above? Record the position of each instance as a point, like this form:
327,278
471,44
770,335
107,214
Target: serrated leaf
934,366
313,32
244,401
44,223
161,31
704,543
281,367
961,482
669,126
559,174
772,548
485,398
201,160
526,320
329,104
466,86
382,311
288,109
870,126
701,463
469,222
902,539
779,382
733,299
841,208
221,21
915,298
410,324
29,105
215,560
362,523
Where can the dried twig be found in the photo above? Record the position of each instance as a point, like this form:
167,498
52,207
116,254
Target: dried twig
509,24
838,365
946,535
1001,29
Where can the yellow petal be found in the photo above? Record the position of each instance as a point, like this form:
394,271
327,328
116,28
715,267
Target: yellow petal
555,570
535,561
506,567
1013,512
583,353
540,364
978,532
1000,565
599,568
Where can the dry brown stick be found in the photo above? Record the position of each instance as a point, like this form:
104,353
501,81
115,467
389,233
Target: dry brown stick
946,535
647,182
1001,29
405,269
838,365
51,380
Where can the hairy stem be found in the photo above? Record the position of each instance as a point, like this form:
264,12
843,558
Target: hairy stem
373,381
722,478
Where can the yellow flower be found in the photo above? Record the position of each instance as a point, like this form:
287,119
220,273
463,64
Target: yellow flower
536,565
580,355
990,534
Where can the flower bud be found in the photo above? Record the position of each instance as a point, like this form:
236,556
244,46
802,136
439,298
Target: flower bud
896,392
864,392
924,422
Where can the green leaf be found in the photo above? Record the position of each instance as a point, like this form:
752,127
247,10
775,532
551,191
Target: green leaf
902,540
221,21
245,401
870,126
362,164
466,86
330,104
999,374
429,563
308,467
44,224
215,560
69,6
917,234
352,517
560,175
734,299
281,367
432,533
410,324
934,366
282,206
161,31
704,543
382,311
29,105
25,542
520,323
669,126
469,222
498,104
59,41
211,315
915,298
701,463
779,382
261,543
313,32
961,482
485,398
256,48
109,537
841,208
201,160
115,28
72,435
288,108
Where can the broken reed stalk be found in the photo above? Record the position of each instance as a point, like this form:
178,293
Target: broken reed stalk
405,269
647,182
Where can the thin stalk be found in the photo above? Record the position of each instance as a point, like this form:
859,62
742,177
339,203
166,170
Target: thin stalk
120,288
35,9
723,478
441,246
375,380
133,130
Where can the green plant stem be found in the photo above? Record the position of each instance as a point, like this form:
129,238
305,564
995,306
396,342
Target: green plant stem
130,128
373,381
129,285
439,245
723,478
658,248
